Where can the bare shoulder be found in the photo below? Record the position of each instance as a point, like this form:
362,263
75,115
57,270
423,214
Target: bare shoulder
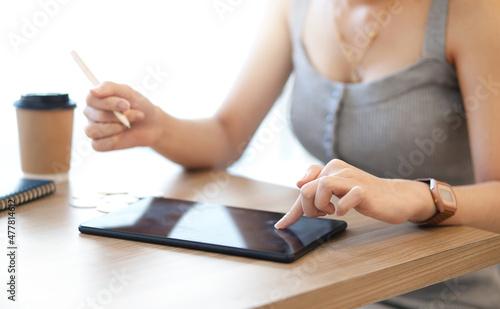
472,10
281,7
473,27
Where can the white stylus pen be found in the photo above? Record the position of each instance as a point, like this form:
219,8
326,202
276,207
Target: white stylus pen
94,81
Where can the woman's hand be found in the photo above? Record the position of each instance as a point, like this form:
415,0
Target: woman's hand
106,131
390,200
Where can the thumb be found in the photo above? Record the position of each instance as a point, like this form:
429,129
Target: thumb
311,174
107,89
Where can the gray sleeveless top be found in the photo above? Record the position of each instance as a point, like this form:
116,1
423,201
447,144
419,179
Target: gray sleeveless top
410,124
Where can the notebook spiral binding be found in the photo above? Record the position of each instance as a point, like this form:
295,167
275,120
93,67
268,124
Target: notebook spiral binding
27,195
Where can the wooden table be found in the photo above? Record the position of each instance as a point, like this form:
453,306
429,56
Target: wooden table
371,261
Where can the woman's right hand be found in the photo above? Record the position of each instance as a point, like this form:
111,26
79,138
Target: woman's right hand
107,132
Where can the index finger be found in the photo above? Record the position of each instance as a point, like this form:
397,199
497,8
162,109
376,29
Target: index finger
292,216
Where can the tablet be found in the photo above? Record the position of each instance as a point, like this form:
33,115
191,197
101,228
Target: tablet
216,228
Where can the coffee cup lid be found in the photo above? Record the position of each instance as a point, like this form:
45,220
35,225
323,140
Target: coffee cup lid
45,101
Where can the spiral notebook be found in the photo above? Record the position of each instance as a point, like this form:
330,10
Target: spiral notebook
20,191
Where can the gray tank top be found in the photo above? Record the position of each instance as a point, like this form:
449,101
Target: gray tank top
410,124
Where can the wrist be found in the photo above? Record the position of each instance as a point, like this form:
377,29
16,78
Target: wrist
422,205
158,124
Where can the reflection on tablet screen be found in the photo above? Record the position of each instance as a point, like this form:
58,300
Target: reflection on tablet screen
216,225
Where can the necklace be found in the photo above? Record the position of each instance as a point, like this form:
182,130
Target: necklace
355,54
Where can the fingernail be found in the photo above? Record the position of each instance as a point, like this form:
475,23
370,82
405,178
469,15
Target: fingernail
299,183
97,89
277,225
123,106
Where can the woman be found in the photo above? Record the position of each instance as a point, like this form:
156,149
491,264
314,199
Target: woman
385,91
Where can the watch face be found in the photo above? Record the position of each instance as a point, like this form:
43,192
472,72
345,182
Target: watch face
446,194
447,197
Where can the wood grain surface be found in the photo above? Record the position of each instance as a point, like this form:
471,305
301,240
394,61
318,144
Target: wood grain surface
62,268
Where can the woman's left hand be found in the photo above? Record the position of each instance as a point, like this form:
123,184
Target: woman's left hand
390,200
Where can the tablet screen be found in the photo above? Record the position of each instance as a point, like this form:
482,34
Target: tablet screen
216,228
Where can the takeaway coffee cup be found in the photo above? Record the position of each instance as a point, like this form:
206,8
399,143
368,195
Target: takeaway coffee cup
45,127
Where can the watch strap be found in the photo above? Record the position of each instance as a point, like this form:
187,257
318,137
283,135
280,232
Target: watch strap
436,219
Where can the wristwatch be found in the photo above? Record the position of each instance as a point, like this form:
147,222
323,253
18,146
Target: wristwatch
444,200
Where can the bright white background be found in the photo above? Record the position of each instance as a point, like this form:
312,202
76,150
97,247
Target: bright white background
197,49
